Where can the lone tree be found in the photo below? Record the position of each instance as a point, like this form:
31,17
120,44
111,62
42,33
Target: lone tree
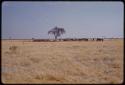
56,31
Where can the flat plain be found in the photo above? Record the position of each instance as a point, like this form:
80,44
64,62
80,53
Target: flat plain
86,62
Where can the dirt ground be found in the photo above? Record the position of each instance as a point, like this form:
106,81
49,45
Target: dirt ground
86,62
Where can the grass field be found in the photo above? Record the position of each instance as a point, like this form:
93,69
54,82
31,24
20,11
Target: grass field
62,62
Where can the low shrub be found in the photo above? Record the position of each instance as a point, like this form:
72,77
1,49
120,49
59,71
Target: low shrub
13,49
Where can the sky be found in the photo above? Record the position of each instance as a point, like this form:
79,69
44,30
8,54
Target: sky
26,20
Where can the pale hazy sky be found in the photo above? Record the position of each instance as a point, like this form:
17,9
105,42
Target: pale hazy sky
23,20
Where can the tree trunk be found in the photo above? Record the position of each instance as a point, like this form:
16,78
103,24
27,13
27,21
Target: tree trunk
55,38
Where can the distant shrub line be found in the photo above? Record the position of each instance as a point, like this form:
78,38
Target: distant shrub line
68,39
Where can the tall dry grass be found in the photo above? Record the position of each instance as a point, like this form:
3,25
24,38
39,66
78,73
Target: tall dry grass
62,62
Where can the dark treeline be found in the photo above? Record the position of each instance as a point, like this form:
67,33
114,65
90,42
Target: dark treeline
71,39
65,39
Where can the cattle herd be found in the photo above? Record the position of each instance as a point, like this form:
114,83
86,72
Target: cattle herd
68,39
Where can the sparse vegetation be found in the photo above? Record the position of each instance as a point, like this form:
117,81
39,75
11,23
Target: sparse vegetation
13,49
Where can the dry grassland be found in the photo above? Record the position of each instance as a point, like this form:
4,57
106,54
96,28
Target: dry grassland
62,62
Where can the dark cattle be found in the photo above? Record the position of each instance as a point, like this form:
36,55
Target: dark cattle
65,39
85,39
99,39
41,40
68,39
80,39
